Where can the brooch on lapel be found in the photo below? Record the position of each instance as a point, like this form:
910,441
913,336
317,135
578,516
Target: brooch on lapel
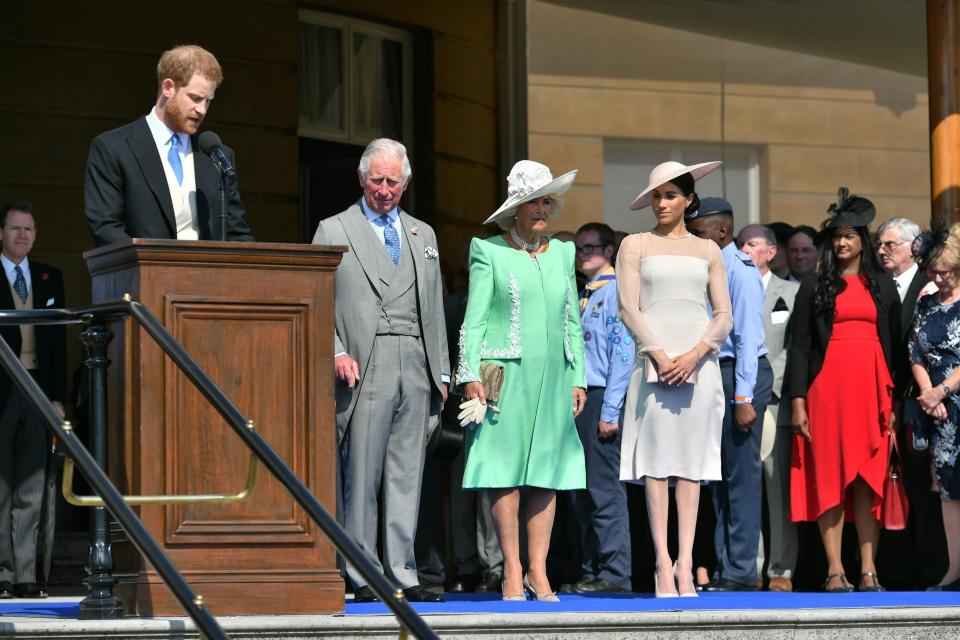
44,276
430,253
415,230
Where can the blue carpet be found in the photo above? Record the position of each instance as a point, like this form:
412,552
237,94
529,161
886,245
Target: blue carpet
47,609
491,603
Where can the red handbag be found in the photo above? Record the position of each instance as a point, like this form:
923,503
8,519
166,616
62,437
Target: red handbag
895,509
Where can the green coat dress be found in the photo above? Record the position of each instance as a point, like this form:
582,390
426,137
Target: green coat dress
523,313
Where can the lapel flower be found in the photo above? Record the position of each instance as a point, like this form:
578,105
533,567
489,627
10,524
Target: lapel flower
430,253
415,230
44,275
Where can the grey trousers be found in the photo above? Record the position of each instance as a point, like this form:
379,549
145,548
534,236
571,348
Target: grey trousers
782,560
476,550
382,456
23,456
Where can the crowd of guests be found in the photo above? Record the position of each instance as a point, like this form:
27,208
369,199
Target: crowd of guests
760,380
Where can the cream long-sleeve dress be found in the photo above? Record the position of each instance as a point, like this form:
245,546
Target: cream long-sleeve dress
673,294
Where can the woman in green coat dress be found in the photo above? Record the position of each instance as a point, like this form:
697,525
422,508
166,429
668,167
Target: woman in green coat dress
523,314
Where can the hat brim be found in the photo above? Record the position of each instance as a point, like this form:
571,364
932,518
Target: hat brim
696,170
554,187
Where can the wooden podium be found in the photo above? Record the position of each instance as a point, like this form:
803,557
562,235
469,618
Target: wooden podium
259,319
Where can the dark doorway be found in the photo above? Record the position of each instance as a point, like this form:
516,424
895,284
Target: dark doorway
328,181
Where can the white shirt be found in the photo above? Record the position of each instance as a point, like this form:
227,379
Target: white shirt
183,196
765,278
904,279
11,270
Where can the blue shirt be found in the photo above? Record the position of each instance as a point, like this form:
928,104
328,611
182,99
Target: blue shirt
745,341
379,221
608,350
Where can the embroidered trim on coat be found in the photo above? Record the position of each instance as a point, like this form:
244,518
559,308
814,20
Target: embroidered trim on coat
513,333
464,372
566,324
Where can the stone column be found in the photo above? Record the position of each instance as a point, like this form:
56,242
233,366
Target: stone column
943,71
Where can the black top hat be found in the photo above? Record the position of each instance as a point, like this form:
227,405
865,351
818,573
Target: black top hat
847,211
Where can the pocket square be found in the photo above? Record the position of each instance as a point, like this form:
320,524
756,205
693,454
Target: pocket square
50,302
430,253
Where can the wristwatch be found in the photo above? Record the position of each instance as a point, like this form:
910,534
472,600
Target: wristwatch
946,389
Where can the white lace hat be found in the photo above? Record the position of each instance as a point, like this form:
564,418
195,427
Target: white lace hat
667,171
529,180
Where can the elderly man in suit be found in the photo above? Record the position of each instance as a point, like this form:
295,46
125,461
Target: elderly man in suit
146,180
760,243
23,435
391,362
912,558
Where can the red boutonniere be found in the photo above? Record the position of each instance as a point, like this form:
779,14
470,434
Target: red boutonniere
415,231
44,276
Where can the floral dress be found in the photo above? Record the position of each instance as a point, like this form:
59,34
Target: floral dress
935,345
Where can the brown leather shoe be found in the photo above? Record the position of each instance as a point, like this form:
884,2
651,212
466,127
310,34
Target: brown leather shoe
779,583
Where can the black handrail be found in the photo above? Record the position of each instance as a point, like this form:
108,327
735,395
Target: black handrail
175,351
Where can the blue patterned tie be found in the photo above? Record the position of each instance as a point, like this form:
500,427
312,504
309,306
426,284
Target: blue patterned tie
20,284
173,157
391,240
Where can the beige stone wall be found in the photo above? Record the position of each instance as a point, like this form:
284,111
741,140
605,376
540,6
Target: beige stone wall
464,41
817,123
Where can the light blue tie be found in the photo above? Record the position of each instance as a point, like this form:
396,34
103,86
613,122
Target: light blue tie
173,157
391,240
20,284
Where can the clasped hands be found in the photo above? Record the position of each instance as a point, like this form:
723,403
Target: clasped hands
673,371
931,402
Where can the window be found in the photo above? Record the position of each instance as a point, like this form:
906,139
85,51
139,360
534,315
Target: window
627,166
355,80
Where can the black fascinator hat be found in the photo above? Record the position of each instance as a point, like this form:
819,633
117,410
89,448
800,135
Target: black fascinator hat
847,211
928,245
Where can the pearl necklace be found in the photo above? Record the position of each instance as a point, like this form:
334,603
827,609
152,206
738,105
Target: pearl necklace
523,244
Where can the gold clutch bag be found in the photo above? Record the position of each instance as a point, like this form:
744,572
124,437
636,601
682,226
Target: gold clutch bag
491,377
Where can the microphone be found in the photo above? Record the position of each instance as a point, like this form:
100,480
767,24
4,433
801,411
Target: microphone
211,144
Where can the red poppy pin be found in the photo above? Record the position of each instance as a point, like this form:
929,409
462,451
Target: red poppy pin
415,231
44,275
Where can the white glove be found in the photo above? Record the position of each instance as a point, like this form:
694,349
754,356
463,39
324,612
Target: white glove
472,411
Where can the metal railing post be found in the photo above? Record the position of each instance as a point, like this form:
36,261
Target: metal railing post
100,603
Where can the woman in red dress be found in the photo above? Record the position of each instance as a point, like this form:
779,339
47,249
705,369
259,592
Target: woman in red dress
846,322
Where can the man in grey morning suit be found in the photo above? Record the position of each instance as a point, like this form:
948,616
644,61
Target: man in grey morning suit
391,362
23,435
760,243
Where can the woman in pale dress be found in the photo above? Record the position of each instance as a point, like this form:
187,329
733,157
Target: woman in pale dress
674,298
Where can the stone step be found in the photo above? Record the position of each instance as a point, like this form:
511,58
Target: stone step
916,623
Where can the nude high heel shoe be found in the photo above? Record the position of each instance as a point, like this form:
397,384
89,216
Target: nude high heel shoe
687,594
656,587
540,597
519,597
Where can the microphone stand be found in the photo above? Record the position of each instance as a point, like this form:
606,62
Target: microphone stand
222,189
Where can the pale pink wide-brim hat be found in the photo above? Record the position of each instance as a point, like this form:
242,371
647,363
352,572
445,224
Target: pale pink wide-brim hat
529,180
667,172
